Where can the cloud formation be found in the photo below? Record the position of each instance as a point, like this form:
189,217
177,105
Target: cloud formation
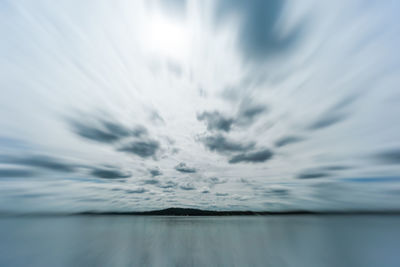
216,121
287,140
109,173
140,190
182,167
259,29
248,113
101,131
252,157
327,120
187,186
109,132
221,144
39,161
155,172
312,174
142,148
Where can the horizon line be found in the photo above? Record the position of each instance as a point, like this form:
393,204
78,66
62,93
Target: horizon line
173,211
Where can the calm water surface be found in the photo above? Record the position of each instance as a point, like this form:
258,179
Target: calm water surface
200,241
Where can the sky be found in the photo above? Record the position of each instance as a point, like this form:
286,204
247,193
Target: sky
222,105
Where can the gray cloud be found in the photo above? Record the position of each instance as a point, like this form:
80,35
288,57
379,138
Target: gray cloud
216,121
155,172
248,113
313,174
142,148
221,144
215,180
187,186
327,120
107,131
287,140
391,156
259,35
221,194
151,181
335,114
322,171
109,173
168,184
11,173
38,161
104,130
277,191
335,168
205,191
136,191
182,167
253,157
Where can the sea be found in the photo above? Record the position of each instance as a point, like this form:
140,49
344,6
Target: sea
114,240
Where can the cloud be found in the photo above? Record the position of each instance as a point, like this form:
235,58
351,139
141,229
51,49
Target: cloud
391,156
221,194
140,190
182,167
216,121
151,181
335,114
253,157
335,168
277,191
141,148
322,171
109,132
287,140
205,190
109,173
221,144
187,186
38,161
104,132
155,172
248,113
11,173
259,34
327,120
313,174
383,179
215,180
168,184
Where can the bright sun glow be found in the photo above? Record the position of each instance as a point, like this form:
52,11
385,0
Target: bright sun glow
168,37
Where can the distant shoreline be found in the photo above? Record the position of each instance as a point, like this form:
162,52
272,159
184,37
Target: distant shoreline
199,212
